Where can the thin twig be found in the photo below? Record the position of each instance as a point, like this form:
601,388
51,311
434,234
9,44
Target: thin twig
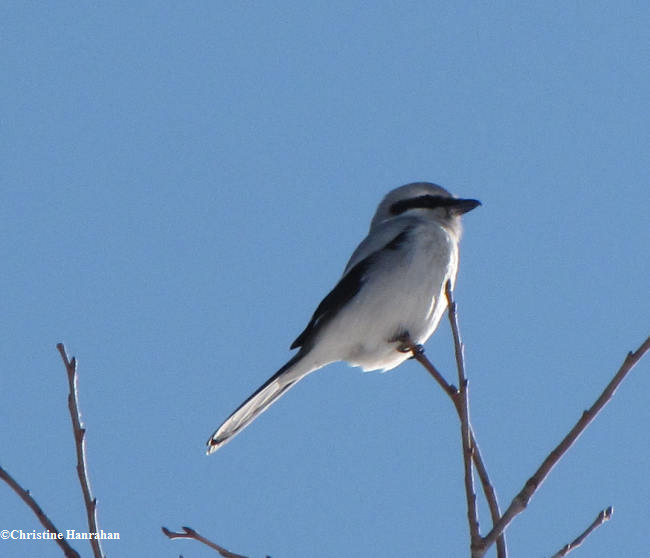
604,515
521,500
418,354
465,429
79,439
190,533
453,393
477,458
40,514
490,496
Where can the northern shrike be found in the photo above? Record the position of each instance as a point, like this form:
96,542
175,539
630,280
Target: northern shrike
392,290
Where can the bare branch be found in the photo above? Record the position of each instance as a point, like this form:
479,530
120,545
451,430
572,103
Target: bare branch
190,533
454,395
490,496
604,515
46,522
521,500
418,354
79,439
465,429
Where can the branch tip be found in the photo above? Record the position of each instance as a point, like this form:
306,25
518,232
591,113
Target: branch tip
520,501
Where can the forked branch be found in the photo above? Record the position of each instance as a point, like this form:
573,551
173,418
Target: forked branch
458,396
466,433
189,533
471,451
521,500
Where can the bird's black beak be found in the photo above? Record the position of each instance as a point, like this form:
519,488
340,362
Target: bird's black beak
461,206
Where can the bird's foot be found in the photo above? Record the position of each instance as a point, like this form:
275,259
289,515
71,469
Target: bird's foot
415,349
407,346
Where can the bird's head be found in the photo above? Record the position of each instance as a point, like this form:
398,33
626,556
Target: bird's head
426,200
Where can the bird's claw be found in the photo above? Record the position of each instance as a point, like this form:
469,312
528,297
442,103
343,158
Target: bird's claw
407,346
416,350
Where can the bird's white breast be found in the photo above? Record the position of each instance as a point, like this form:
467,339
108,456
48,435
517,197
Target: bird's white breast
402,292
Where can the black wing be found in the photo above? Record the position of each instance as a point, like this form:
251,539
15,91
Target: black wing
344,291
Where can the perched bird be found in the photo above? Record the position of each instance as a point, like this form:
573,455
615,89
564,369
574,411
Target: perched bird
392,291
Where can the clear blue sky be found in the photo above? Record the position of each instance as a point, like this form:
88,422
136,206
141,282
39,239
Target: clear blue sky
182,184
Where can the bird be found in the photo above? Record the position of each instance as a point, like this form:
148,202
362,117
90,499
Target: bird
391,296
